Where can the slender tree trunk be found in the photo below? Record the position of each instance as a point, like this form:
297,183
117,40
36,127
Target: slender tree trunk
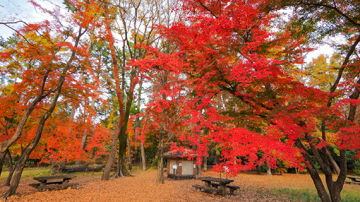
333,162
118,166
268,172
1,164
314,175
83,140
205,164
199,169
119,93
83,144
123,136
143,159
137,120
111,160
11,169
129,153
160,169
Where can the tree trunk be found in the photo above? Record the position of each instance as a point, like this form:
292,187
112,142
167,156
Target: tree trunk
217,158
1,164
314,175
119,93
205,164
268,172
160,169
123,135
83,168
137,120
11,169
199,169
143,159
123,142
333,162
83,144
111,159
129,153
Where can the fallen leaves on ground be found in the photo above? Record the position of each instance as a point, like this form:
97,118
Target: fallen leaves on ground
142,187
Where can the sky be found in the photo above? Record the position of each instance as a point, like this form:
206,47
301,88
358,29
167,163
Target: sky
11,10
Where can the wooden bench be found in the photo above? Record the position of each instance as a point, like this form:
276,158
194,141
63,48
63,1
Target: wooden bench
213,190
354,180
231,188
216,185
35,185
55,185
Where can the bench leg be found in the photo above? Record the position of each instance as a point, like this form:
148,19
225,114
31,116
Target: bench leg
223,187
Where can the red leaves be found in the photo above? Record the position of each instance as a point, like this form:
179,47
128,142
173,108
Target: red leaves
224,50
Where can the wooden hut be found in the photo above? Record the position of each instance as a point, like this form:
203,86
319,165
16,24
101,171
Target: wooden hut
179,167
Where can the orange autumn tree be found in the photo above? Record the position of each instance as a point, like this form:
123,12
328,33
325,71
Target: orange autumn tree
47,59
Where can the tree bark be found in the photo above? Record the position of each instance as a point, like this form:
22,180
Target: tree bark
143,159
314,174
137,120
11,169
83,168
111,160
160,168
1,164
129,153
268,172
205,163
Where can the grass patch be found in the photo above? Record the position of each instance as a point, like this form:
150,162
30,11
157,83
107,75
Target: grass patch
306,195
310,195
28,173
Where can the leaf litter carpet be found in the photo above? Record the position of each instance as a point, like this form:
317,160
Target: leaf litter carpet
142,187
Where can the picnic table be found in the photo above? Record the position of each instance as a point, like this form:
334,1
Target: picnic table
212,184
47,183
354,180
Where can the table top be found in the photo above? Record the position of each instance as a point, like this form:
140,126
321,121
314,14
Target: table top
221,180
353,177
55,177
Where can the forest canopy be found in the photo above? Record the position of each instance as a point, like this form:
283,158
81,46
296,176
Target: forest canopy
116,81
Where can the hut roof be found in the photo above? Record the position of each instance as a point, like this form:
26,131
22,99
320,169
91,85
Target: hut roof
185,154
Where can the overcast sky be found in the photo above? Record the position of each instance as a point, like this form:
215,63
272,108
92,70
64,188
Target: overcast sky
11,10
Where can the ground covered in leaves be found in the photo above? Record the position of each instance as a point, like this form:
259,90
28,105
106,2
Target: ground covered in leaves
142,187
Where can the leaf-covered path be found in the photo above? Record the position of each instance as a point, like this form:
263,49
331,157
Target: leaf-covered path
142,187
